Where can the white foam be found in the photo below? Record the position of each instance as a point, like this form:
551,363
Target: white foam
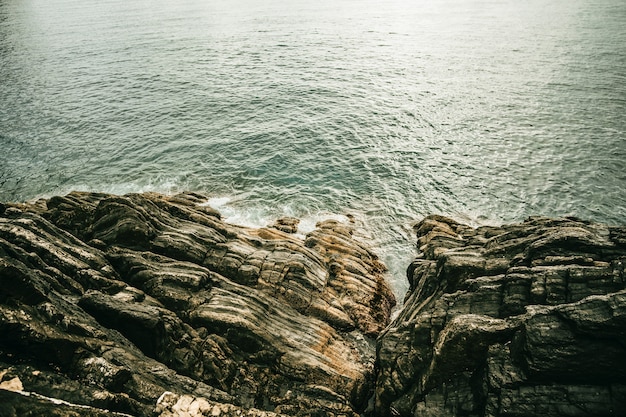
308,223
167,187
216,202
241,216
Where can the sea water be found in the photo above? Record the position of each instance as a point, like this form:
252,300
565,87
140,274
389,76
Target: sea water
484,110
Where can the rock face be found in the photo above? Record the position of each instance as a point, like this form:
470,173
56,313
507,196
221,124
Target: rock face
520,320
151,305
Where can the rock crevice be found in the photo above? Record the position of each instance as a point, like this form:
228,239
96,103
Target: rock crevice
151,305
524,319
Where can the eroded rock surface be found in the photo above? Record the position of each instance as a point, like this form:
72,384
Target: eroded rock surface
151,305
520,320
146,305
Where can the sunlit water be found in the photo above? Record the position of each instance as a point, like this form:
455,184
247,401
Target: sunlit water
488,111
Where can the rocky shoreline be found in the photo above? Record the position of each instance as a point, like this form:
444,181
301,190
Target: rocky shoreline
151,305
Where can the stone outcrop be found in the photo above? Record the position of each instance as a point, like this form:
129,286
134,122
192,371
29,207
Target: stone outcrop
147,305
519,320
151,305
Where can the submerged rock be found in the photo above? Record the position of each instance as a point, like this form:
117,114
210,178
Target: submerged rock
109,302
526,319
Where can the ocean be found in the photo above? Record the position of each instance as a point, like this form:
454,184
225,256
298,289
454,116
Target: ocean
487,111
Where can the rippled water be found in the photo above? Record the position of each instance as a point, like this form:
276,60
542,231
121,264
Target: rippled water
485,110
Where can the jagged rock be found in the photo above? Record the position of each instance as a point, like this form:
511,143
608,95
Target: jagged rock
108,302
526,319
174,405
151,305
286,224
12,384
14,404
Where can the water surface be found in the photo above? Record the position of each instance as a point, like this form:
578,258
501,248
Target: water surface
487,111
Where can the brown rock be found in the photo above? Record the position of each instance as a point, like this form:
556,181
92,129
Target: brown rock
286,224
167,297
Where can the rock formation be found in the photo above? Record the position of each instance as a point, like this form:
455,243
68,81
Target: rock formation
520,320
151,305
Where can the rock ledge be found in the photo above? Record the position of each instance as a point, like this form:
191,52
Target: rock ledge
147,305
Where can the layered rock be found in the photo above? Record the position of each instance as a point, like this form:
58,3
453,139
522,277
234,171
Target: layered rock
152,305
520,320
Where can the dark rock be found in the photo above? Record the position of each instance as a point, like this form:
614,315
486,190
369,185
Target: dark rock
525,319
149,305
168,308
15,404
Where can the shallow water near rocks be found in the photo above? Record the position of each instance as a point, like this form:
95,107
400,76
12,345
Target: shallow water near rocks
487,111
